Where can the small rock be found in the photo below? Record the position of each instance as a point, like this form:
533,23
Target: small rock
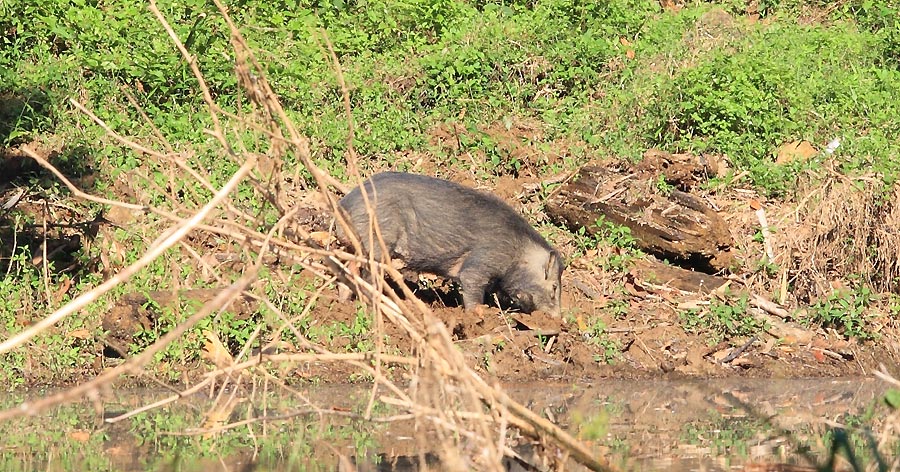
795,151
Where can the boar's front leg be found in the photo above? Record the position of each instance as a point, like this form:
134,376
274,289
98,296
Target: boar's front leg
474,280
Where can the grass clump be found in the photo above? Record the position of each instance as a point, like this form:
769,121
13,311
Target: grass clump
846,312
778,84
613,77
724,319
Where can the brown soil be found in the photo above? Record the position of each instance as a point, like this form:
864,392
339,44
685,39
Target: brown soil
617,324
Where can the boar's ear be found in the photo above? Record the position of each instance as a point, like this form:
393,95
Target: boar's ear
552,262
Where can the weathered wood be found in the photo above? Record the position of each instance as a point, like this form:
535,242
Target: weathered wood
676,226
657,273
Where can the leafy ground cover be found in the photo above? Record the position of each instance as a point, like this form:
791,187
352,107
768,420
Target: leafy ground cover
156,107
503,96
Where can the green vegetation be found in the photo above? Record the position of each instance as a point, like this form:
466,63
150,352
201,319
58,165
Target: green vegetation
892,399
619,237
355,335
414,66
596,426
726,436
614,243
845,310
482,89
734,436
723,319
608,349
462,85
25,292
70,439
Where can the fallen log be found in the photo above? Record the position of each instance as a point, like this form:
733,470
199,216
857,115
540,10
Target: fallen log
657,273
672,225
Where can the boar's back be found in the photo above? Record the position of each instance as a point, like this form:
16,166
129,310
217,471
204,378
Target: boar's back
432,222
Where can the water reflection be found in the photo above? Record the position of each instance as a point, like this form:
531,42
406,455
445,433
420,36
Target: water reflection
718,425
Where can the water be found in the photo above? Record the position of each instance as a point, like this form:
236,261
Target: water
724,424
712,425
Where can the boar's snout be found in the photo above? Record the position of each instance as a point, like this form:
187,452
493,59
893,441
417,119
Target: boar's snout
538,287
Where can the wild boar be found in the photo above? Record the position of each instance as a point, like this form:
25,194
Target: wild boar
443,228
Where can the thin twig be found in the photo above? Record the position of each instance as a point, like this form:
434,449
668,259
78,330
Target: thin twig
75,190
178,232
135,363
769,306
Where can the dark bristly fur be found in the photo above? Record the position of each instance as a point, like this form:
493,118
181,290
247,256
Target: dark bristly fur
443,228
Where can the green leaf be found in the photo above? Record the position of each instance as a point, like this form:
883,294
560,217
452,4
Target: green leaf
892,398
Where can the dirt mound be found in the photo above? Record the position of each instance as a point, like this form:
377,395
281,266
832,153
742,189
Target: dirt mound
625,321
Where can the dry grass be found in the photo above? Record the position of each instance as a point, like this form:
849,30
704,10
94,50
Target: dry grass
471,419
845,228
